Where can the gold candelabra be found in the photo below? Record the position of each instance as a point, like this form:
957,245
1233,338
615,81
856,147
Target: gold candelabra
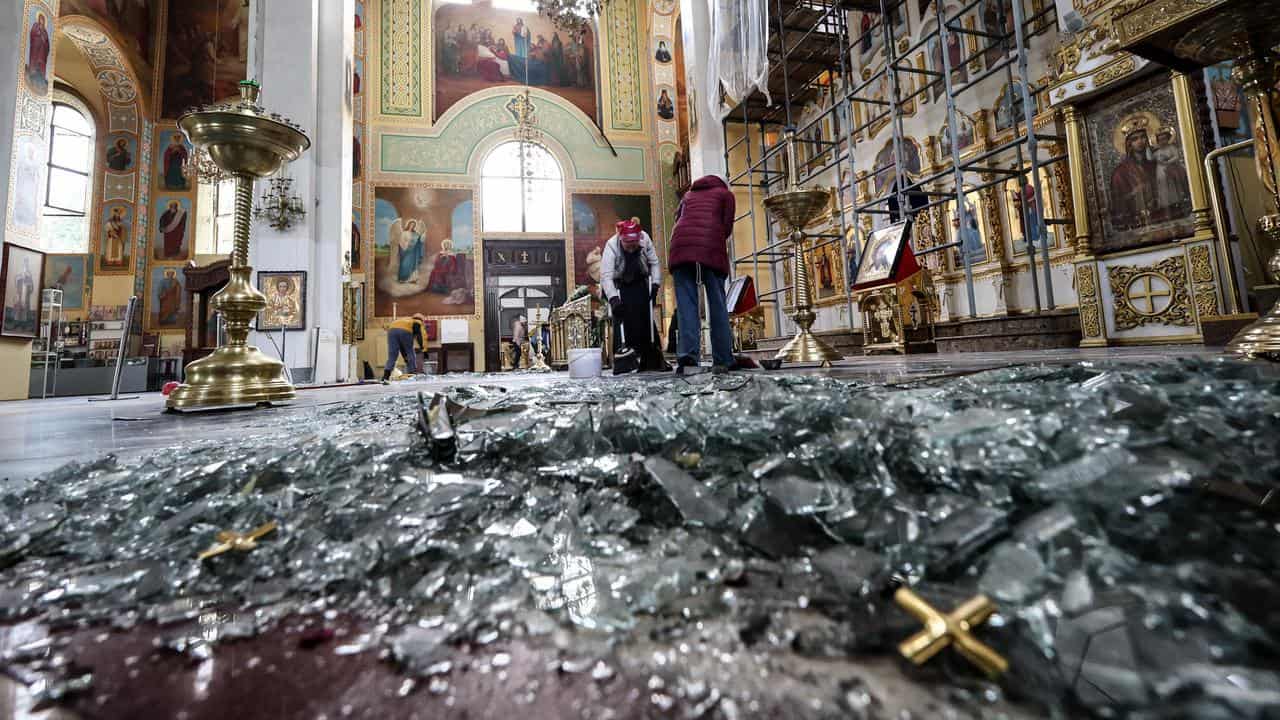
247,143
795,209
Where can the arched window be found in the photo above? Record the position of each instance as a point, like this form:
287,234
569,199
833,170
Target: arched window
68,180
522,189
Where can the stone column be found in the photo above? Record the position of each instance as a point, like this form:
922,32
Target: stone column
1075,163
303,52
1189,132
706,146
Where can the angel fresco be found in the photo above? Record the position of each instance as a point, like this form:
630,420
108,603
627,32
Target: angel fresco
408,250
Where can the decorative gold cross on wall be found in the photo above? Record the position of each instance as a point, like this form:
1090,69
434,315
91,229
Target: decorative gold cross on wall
954,628
229,540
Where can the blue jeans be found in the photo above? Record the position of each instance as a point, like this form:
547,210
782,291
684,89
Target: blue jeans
690,344
400,342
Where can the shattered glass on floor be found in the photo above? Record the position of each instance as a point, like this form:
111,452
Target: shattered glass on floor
1123,517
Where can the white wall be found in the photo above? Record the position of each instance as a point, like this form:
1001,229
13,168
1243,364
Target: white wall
302,53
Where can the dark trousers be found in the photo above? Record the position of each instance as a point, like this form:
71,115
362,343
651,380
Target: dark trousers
634,325
399,343
515,358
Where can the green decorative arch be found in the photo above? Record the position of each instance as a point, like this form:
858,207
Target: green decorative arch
449,148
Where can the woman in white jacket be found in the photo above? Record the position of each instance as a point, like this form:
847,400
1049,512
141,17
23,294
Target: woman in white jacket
630,276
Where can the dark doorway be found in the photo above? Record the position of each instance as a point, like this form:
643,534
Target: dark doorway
518,275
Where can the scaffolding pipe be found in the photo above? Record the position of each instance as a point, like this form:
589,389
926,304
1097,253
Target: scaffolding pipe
962,211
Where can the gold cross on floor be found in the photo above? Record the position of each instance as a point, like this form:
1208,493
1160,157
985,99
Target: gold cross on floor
229,540
954,628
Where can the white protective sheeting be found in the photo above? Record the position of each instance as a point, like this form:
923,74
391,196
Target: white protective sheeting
739,62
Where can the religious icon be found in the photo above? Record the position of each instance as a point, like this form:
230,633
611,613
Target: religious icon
955,58
172,161
28,183
357,242
966,136
882,252
422,261
168,299
67,273
20,278
38,49
206,55
1139,169
357,75
173,240
481,46
663,54
1009,108
286,300
1149,184
117,237
120,153
666,108
992,14
356,155
970,235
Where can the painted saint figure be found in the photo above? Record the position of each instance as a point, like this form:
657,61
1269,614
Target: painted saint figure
119,159
666,108
282,307
173,227
1133,182
663,55
24,285
113,249
970,237
169,295
412,251
1171,186
175,156
38,55
521,35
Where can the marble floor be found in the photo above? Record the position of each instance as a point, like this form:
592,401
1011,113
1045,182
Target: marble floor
37,436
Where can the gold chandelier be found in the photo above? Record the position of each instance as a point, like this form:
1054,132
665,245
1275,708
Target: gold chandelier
523,110
570,14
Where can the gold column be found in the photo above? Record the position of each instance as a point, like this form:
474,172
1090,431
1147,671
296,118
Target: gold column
1189,130
1075,163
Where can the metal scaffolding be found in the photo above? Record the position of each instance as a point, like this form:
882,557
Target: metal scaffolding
809,43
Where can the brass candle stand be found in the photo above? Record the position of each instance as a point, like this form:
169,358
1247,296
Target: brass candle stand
795,209
247,143
1189,35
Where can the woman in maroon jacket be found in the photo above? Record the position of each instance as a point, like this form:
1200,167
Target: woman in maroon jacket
700,254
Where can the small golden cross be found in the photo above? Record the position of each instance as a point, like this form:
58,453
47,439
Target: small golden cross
954,628
229,540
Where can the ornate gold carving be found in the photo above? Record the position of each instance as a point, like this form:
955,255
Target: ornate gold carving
1135,19
1206,301
1115,70
1151,295
1090,321
1086,282
1201,264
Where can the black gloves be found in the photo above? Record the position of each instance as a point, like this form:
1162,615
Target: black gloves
653,292
615,305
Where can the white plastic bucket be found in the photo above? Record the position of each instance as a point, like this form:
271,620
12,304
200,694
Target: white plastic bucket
585,363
